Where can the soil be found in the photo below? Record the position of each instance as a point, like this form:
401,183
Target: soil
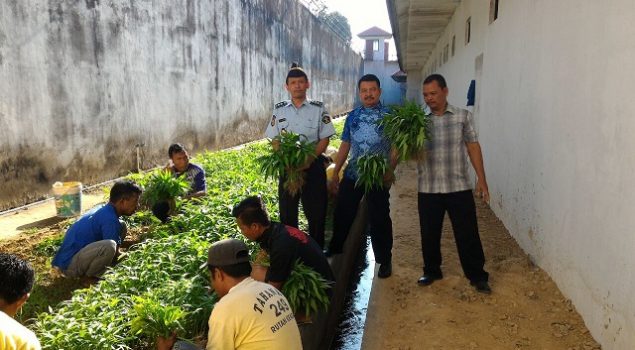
40,215
526,310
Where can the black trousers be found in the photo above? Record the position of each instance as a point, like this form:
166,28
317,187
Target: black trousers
378,201
462,211
314,201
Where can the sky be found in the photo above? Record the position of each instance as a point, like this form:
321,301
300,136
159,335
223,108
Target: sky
363,14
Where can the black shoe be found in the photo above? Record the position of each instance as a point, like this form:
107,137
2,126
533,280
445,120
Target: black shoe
329,253
385,270
427,280
482,287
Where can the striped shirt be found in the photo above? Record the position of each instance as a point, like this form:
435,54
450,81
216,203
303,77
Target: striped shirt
445,166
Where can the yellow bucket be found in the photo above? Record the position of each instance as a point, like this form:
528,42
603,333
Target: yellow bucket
68,198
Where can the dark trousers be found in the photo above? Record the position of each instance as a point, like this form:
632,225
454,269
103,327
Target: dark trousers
462,211
378,202
314,201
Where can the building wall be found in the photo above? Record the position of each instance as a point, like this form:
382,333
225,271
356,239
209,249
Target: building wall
555,116
83,82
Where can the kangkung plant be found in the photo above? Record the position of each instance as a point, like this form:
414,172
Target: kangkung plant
161,185
290,155
371,169
154,319
305,289
408,128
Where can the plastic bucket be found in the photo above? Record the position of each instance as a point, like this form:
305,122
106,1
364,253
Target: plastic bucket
68,198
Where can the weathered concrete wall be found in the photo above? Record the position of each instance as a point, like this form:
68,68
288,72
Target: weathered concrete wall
555,115
83,82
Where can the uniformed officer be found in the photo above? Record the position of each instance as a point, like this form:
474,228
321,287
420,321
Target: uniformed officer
309,118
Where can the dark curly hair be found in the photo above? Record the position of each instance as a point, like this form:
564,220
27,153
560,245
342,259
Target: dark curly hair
251,210
16,278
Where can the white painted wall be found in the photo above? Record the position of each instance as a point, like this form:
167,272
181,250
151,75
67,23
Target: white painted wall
556,117
83,82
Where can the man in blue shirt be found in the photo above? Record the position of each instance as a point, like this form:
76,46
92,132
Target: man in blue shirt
194,174
362,136
91,244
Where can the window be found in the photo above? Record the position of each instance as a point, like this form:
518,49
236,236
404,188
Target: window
375,45
445,53
493,10
468,30
453,44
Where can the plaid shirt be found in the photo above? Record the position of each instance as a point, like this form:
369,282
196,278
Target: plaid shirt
444,169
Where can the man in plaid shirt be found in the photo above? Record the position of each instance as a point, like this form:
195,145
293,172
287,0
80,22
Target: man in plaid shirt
444,186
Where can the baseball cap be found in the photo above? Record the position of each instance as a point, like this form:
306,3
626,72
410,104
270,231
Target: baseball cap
227,252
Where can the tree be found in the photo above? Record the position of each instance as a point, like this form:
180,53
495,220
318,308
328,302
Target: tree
338,23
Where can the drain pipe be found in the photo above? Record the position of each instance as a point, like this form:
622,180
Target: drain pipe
138,150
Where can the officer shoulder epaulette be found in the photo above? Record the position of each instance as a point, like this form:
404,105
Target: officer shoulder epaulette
316,103
280,104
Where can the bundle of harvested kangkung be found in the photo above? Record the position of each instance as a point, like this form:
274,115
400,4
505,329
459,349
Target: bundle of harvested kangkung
291,153
371,170
407,128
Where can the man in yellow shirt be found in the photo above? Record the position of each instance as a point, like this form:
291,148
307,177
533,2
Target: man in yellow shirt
16,281
250,315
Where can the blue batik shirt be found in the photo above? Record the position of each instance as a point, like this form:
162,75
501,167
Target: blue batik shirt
362,131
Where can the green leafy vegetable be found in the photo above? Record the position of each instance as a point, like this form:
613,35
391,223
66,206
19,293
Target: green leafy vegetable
161,185
292,154
154,319
305,289
407,128
371,169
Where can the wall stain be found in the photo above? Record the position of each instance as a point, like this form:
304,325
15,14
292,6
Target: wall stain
152,64
90,4
97,39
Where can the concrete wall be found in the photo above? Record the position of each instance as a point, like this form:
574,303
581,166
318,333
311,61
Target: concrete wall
392,91
555,115
83,82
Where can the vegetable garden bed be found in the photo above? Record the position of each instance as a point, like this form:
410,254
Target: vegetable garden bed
164,268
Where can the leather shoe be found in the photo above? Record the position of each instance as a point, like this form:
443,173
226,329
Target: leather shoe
482,287
385,270
329,253
427,280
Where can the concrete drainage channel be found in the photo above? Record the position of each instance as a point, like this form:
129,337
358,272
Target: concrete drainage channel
350,331
342,327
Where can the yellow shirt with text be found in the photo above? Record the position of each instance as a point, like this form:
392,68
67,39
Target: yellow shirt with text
253,315
14,336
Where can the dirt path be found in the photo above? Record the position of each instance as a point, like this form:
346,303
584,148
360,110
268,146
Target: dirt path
40,215
525,311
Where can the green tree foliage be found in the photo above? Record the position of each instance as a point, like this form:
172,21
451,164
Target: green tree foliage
338,23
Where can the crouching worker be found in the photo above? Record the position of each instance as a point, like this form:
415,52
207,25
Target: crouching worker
284,244
16,280
249,314
194,174
91,244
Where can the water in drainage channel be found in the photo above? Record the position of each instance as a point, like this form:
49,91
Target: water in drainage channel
350,331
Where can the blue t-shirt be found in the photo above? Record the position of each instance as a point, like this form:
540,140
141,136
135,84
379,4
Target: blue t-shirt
100,223
195,175
364,135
